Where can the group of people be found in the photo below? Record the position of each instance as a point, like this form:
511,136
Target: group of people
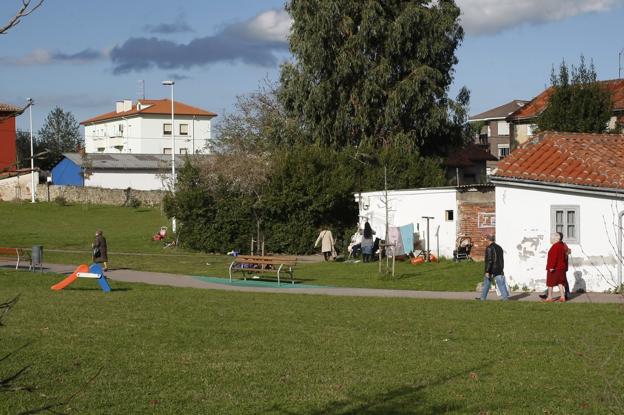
556,269
363,240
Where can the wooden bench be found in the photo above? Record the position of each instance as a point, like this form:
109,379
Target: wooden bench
14,253
247,264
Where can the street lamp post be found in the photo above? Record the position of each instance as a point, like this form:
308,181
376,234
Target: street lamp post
173,175
620,63
31,102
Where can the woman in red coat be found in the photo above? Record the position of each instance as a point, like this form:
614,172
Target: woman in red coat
556,267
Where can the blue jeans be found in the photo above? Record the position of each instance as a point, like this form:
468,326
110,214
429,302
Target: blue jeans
500,283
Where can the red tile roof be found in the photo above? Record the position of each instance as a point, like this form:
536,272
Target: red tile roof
155,106
539,103
595,160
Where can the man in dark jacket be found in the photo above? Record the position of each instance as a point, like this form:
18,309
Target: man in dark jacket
494,265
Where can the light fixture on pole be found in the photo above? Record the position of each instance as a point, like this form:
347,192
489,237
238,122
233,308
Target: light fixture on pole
31,102
173,176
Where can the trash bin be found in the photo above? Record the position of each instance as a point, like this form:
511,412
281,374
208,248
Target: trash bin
36,257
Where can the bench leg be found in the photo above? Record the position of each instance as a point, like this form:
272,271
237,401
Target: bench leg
278,274
231,265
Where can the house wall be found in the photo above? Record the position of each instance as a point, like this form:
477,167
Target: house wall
520,134
17,187
144,135
8,154
409,206
122,179
523,230
476,218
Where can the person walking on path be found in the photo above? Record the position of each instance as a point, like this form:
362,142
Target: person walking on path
367,243
494,270
326,240
556,267
100,249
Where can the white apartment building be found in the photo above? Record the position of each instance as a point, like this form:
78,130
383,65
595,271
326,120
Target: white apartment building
144,127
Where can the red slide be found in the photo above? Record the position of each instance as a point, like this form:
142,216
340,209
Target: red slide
71,278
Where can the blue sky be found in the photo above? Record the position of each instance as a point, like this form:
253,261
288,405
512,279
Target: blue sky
84,55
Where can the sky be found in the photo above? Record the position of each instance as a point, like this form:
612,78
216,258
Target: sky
84,55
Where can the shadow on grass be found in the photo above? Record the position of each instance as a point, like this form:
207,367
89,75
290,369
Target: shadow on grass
95,289
400,401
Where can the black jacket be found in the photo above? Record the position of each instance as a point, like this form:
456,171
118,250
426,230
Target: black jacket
494,262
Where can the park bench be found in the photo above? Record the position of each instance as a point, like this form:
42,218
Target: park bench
14,253
255,265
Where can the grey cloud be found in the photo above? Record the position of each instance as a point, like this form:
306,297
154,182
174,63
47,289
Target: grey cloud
257,41
483,17
168,28
86,55
178,77
45,57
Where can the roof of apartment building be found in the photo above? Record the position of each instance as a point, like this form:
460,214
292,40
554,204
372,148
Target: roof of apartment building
538,104
125,161
470,155
499,113
150,107
595,160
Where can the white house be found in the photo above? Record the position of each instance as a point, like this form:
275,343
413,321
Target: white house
144,127
115,171
570,183
453,212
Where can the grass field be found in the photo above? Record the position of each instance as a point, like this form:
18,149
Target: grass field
161,350
128,232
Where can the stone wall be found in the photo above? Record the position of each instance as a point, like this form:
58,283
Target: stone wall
477,217
19,188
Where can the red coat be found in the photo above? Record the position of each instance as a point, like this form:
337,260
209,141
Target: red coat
558,257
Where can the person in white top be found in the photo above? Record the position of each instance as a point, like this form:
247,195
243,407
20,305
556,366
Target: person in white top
326,240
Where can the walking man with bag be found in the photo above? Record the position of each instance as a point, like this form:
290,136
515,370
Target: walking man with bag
100,249
494,270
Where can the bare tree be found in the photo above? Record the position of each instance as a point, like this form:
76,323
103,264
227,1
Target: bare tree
26,9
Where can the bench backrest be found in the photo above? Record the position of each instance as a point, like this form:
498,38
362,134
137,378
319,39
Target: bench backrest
266,260
11,251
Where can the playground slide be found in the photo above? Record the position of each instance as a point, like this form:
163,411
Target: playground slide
71,278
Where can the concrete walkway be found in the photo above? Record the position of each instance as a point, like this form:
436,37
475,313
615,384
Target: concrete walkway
175,280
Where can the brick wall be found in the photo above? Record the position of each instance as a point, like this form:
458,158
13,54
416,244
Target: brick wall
476,214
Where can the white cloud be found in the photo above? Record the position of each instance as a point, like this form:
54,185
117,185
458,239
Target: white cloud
272,26
481,17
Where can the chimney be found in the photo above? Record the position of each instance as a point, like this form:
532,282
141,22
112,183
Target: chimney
127,105
119,106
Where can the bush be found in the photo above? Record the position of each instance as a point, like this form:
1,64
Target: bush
61,201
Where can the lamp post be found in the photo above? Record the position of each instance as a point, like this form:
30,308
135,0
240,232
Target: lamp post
173,176
31,102
620,63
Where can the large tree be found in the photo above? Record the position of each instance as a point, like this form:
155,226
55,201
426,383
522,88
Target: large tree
375,73
60,134
578,103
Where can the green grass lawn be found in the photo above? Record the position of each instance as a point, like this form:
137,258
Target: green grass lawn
128,232
162,350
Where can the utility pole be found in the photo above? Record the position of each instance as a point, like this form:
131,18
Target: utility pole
620,63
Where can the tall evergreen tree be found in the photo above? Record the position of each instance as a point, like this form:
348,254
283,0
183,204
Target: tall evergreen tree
578,103
375,73
60,134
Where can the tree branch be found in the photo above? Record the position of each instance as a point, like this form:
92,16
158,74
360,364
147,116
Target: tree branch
24,11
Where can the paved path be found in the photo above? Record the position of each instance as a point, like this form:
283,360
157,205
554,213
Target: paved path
175,280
